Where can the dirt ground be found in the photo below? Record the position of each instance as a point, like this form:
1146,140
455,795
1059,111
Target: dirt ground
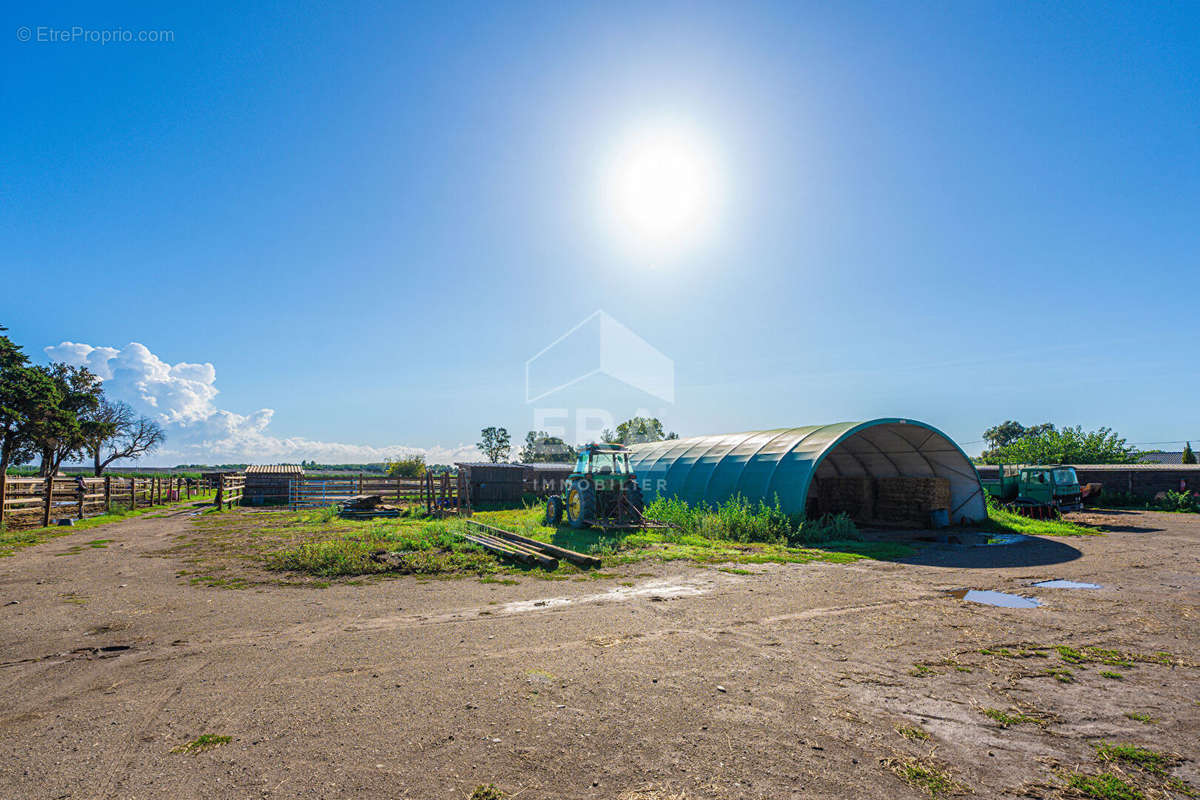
665,681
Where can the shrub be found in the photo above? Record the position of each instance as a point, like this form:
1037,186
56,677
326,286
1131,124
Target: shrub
739,520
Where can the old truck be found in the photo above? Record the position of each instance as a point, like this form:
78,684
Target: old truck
1036,490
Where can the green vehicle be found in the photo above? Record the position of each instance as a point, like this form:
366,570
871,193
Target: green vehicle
602,491
1037,490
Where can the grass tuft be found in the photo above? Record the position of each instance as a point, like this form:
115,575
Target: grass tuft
1103,787
925,775
1130,754
201,743
1005,719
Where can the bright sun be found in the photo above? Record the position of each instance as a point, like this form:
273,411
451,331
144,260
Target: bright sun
662,189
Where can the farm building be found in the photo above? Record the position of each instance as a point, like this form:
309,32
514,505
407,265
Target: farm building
890,471
269,484
545,478
485,482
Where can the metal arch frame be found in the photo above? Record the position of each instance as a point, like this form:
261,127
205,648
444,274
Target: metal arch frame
662,451
717,466
878,449
874,423
916,449
708,450
813,469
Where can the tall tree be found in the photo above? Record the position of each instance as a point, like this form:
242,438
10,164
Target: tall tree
1188,456
495,443
115,431
27,395
541,447
62,433
1065,446
638,430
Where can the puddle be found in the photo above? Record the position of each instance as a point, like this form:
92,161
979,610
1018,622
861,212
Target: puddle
988,597
1061,584
1002,538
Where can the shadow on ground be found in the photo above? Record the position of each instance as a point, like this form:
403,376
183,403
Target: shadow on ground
1033,551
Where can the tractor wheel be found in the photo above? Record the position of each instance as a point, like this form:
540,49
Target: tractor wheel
581,503
554,511
633,493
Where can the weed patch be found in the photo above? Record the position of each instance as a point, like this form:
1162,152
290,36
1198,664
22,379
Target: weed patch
201,743
1103,787
926,775
1004,719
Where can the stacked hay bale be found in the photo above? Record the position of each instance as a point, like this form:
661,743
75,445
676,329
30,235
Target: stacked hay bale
908,501
854,496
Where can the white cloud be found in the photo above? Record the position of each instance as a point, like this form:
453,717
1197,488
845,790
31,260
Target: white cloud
182,397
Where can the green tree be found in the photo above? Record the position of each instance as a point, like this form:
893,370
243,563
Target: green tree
638,430
27,396
1188,456
541,447
1008,432
62,432
412,466
1065,446
495,443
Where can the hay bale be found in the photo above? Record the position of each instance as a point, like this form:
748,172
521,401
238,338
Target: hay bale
854,496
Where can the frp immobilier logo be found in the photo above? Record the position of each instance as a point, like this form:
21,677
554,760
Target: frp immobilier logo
599,345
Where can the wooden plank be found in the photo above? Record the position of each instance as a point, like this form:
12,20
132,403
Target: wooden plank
510,549
582,559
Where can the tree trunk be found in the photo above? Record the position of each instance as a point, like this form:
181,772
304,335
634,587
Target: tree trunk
4,456
97,467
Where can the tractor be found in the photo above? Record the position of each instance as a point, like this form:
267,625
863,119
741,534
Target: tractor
601,491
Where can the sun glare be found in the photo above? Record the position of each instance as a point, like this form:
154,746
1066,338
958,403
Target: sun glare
662,189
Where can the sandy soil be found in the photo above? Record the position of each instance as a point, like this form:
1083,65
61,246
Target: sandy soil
668,680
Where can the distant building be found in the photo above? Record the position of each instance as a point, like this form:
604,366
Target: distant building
1162,458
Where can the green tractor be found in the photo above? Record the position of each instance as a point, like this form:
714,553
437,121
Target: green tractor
602,491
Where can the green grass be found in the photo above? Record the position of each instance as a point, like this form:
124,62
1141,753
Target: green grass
1138,716
1103,787
926,776
422,547
488,792
913,733
201,743
1004,521
694,543
1005,719
1114,676
1131,754
1061,674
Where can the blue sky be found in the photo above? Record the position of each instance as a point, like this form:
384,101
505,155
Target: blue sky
367,218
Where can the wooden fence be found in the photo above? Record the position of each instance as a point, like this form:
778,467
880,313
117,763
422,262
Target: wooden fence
29,502
435,492
231,489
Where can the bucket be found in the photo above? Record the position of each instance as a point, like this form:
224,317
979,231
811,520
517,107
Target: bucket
939,518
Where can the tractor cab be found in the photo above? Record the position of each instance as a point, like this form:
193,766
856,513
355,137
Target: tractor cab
602,459
601,491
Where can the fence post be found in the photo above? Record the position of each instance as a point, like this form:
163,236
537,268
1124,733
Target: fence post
107,493
49,499
3,492
133,494
220,491
82,492
360,483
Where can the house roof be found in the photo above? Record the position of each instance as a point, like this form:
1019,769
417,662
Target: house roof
1163,458
274,469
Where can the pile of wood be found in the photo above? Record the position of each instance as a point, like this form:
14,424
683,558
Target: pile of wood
367,505
909,500
853,496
